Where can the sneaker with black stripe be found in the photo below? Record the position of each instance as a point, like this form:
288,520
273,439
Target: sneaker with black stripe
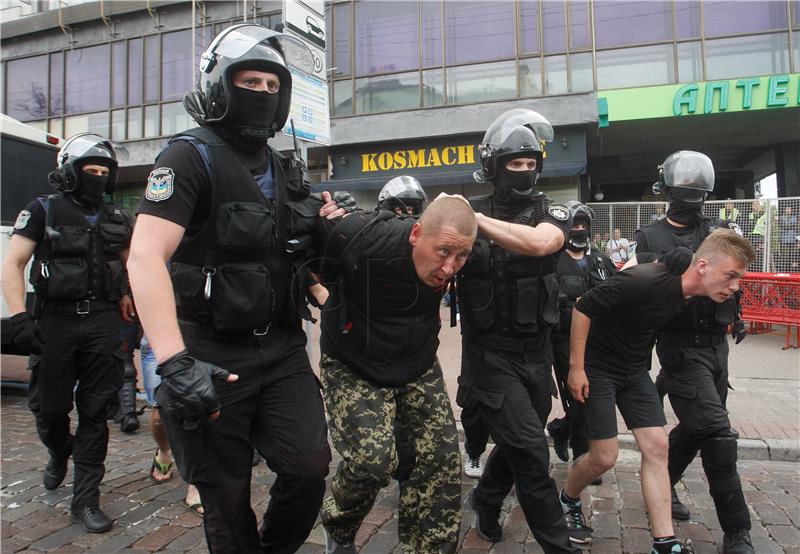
579,532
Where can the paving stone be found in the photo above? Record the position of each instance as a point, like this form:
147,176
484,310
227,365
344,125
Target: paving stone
159,538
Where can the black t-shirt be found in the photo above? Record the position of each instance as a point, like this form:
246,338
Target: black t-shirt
31,221
627,311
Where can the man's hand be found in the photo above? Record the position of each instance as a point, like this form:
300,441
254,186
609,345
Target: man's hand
126,309
338,206
186,393
738,331
26,336
445,195
578,384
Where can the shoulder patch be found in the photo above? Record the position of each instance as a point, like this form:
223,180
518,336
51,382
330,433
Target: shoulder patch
735,227
22,219
160,184
559,212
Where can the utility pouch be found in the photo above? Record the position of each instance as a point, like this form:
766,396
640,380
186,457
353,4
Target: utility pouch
525,306
475,296
68,278
241,297
244,226
115,237
73,241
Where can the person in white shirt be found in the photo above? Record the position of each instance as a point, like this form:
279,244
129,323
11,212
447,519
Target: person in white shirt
618,248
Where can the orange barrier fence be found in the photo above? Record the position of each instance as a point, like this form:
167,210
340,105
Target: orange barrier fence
772,299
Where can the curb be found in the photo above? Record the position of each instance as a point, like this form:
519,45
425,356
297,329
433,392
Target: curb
775,450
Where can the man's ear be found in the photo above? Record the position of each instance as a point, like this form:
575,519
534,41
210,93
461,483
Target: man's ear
702,266
416,233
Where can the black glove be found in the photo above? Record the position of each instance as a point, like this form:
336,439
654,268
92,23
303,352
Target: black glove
186,392
346,201
738,330
27,337
678,260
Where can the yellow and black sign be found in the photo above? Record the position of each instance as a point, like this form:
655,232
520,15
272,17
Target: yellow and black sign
418,158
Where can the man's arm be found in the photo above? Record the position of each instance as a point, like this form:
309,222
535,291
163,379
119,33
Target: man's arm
153,243
579,333
541,240
20,250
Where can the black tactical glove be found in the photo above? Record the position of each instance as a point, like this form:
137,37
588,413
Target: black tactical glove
26,336
186,392
678,260
345,201
738,330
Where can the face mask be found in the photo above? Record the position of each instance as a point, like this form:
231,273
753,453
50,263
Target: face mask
686,206
519,184
91,188
578,240
255,109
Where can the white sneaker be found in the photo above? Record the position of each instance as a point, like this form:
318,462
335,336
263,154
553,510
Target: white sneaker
333,547
473,467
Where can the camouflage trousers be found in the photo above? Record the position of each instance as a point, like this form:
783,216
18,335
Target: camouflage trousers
361,422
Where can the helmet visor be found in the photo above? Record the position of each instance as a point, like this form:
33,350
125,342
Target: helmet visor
89,145
236,41
690,170
512,120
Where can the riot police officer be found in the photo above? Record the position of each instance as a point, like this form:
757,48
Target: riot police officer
507,296
580,267
77,241
693,352
227,209
403,195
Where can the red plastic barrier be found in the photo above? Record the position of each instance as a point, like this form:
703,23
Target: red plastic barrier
772,298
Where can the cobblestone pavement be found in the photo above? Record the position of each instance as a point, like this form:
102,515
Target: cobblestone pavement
152,518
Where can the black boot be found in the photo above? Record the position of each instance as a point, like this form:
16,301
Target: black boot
487,520
738,542
93,519
558,429
679,511
55,472
129,423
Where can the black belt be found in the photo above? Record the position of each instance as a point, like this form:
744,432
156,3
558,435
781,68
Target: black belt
206,331
687,339
77,307
511,344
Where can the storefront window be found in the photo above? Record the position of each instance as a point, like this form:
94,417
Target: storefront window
478,31
433,87
431,15
88,77
152,55
555,75
174,119
56,84
795,7
580,71
687,18
730,17
119,68
94,122
387,93
529,26
386,36
480,83
747,56
343,97
341,39
579,25
135,54
634,67
530,77
134,123
690,62
176,65
118,125
26,88
554,26
151,121
622,22
796,51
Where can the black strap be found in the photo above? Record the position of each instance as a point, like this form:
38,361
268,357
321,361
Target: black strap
690,339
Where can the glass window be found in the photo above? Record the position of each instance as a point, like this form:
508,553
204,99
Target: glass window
431,14
56,127
579,25
343,97
134,123
633,67
152,54
88,77
621,22
687,18
730,17
94,122
478,31
118,125
56,83
433,87
151,121
530,77
386,37
796,51
41,125
174,119
747,56
555,75
3,87
176,64
580,72
26,88
529,26
795,7
135,55
119,67
341,38
690,62
554,26
387,93
480,83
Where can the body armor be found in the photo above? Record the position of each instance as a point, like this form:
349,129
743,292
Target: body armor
574,281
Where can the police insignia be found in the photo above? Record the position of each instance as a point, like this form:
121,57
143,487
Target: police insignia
22,219
559,212
160,184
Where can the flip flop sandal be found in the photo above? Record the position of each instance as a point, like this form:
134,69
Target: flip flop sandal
195,508
165,469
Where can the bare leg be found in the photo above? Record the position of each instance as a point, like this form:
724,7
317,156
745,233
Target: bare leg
653,445
601,457
164,454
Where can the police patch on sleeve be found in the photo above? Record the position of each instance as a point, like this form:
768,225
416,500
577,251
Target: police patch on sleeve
559,212
160,184
22,219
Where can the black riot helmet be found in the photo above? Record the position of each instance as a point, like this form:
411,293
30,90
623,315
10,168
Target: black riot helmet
686,177
403,193
517,133
578,239
244,46
85,149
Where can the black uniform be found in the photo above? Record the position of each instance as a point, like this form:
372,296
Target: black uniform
575,277
237,309
693,351
78,280
508,305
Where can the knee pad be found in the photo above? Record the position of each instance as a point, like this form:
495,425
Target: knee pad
129,370
719,460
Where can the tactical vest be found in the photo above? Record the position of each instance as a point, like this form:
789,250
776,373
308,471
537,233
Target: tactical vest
232,274
83,262
574,281
504,293
702,315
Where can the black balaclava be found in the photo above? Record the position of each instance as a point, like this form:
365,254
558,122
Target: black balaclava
90,189
514,185
255,111
578,240
685,205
